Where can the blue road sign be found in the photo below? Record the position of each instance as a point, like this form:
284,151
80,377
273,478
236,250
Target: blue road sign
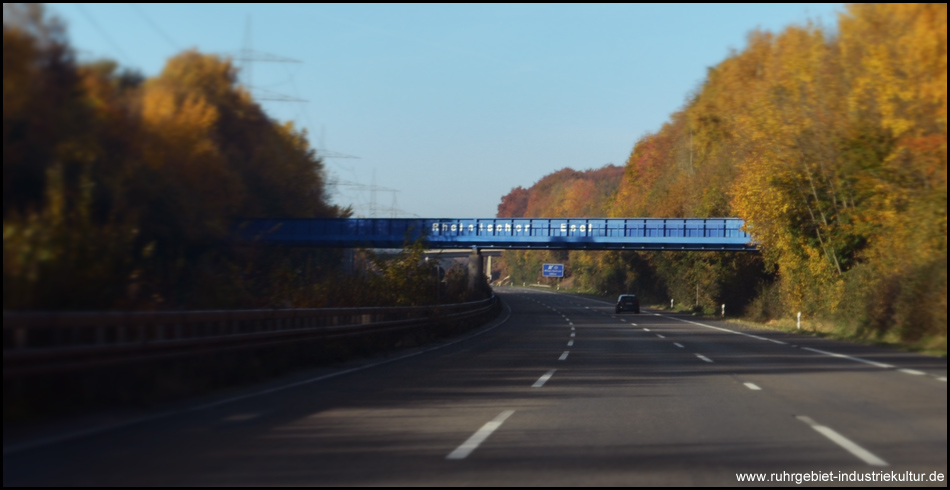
553,270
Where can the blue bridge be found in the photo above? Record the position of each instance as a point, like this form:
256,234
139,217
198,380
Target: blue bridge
724,234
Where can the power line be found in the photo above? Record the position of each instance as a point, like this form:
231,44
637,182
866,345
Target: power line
138,9
103,33
270,95
246,56
323,151
373,207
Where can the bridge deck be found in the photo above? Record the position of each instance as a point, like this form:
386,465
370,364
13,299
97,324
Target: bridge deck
506,233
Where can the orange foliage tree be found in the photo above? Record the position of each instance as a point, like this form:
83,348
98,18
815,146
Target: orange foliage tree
121,191
831,144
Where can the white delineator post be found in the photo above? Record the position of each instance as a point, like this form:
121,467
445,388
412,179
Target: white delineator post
723,311
799,320
671,304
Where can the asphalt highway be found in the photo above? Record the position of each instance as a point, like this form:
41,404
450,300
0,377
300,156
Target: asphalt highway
559,391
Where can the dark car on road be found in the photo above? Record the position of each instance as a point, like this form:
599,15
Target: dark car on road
627,302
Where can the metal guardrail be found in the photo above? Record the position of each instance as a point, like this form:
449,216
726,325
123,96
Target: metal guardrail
50,342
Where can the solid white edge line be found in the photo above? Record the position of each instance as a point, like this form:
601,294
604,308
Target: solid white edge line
818,351
717,328
543,379
16,448
564,356
942,378
855,359
479,436
845,443
752,386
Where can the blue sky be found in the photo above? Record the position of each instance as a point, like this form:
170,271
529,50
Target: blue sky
451,105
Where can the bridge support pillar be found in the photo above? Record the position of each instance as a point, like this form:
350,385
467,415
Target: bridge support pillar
475,270
349,261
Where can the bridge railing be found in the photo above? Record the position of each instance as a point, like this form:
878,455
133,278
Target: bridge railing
515,233
50,342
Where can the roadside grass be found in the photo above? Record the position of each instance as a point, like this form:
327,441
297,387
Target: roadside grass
931,346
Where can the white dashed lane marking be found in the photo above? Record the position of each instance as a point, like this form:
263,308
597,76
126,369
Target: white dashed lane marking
480,436
543,379
845,443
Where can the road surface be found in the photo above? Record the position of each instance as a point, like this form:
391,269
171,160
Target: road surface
558,391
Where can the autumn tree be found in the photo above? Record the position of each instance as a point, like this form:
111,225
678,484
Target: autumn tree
121,191
831,145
